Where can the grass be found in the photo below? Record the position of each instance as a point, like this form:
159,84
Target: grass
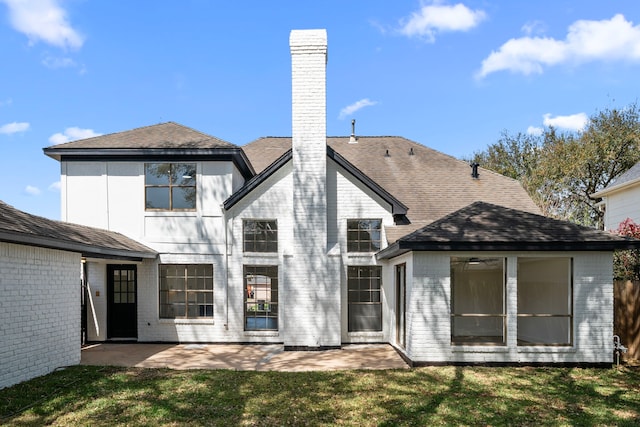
88,395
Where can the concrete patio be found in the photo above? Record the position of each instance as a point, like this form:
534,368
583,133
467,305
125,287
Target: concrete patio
242,357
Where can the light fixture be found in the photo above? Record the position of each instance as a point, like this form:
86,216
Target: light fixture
473,261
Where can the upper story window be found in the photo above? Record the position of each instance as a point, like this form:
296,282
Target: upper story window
170,186
363,235
260,235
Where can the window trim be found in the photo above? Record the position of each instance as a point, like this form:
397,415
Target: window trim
187,291
171,186
359,242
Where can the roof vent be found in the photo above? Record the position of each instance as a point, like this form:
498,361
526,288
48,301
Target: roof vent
474,170
386,154
411,153
353,139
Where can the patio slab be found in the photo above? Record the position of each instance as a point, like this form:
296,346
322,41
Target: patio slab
244,357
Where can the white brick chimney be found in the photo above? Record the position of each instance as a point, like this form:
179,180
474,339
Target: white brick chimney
312,295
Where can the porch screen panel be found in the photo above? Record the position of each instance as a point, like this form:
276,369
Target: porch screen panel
545,301
478,300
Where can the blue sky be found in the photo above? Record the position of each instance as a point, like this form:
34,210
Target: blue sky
450,75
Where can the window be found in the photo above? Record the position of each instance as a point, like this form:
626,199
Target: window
478,311
260,297
363,235
186,291
364,284
545,298
170,186
260,236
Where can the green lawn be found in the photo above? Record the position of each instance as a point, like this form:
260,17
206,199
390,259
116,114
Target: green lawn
84,395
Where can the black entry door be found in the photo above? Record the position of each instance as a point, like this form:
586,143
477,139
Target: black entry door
122,301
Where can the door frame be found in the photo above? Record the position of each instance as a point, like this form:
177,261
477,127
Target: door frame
401,304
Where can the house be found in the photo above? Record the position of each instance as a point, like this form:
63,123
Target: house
314,242
621,199
40,289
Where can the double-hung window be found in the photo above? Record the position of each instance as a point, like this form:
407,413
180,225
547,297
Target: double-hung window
170,186
545,301
363,235
478,309
364,285
260,235
186,291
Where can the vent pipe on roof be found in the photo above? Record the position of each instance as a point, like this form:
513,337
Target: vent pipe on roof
474,170
353,139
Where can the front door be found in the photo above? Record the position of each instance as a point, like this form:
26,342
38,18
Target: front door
122,298
401,305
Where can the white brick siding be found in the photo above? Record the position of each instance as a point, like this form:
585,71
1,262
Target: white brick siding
39,311
429,330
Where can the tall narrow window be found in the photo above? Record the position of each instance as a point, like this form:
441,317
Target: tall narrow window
363,235
260,235
545,301
364,285
170,186
260,297
478,300
186,291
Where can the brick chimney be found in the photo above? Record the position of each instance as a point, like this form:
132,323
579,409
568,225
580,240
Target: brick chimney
311,298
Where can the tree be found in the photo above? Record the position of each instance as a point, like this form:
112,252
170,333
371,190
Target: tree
626,263
561,171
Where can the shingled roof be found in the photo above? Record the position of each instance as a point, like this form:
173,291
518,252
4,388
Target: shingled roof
630,177
163,142
431,184
487,227
20,227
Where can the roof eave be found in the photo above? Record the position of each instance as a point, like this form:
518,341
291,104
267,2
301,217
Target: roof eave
84,249
615,188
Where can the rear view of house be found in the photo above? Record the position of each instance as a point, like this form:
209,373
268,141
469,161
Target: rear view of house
314,242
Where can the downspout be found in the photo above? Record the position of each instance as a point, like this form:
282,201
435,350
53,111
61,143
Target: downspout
226,260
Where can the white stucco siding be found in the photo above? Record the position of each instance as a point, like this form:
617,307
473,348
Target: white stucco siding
429,302
622,205
39,311
85,191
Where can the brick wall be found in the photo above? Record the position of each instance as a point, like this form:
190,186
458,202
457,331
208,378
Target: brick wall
39,311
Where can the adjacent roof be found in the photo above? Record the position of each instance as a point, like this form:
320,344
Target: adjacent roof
397,207
164,140
20,227
630,177
488,227
429,183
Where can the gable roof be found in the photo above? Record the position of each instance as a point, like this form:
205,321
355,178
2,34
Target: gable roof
161,141
429,183
20,227
487,227
630,177
397,208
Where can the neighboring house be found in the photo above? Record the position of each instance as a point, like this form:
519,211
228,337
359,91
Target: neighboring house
621,199
40,283
316,242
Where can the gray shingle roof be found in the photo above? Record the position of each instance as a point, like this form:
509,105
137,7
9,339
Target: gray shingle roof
431,184
20,227
628,177
487,227
164,135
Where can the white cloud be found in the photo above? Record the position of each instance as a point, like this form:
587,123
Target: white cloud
533,27
607,40
435,18
43,20
14,127
71,134
31,190
573,122
55,186
350,109
53,62
535,131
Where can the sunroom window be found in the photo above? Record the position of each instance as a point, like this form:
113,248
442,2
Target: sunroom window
170,186
260,297
478,309
545,301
